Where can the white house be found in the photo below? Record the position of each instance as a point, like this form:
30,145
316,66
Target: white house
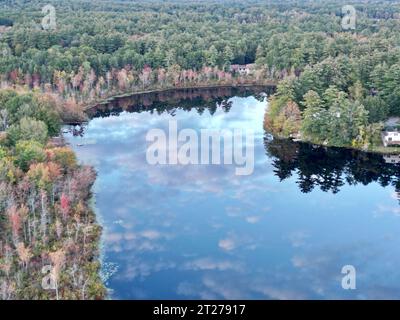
391,137
243,70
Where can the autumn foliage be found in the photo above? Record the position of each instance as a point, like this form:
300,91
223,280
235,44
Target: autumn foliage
45,220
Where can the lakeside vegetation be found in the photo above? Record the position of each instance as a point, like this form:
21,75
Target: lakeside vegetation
49,236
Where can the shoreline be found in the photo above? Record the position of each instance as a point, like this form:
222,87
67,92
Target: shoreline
131,94
374,150
162,90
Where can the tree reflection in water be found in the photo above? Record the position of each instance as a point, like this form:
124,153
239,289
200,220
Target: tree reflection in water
329,168
170,101
185,99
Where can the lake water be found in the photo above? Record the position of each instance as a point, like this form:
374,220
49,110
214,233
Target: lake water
203,232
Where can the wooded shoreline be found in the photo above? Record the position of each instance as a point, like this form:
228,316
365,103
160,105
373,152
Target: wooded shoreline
273,84
171,89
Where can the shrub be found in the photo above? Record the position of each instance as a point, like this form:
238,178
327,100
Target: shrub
43,108
7,170
28,152
28,129
65,157
47,112
3,152
19,106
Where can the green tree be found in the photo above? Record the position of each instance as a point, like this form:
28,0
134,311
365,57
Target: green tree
378,109
28,152
28,129
228,56
315,117
212,56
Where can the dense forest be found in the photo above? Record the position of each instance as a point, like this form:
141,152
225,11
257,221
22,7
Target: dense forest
334,86
96,49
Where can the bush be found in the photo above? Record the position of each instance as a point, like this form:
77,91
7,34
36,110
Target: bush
6,95
28,152
3,152
19,106
283,118
377,109
7,171
65,157
48,113
43,108
28,129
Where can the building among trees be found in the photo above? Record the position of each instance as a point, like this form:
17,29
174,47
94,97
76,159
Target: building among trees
391,136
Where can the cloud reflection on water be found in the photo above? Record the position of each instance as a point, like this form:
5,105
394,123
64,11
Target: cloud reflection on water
203,232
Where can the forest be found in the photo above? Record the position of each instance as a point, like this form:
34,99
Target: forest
335,87
46,219
99,49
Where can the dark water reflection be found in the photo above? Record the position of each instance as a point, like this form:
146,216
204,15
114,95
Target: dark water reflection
170,101
284,232
330,168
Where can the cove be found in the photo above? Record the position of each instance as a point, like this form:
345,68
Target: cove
202,232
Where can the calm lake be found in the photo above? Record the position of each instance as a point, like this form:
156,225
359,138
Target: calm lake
203,232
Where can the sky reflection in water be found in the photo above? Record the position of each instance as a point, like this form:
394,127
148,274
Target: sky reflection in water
183,232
